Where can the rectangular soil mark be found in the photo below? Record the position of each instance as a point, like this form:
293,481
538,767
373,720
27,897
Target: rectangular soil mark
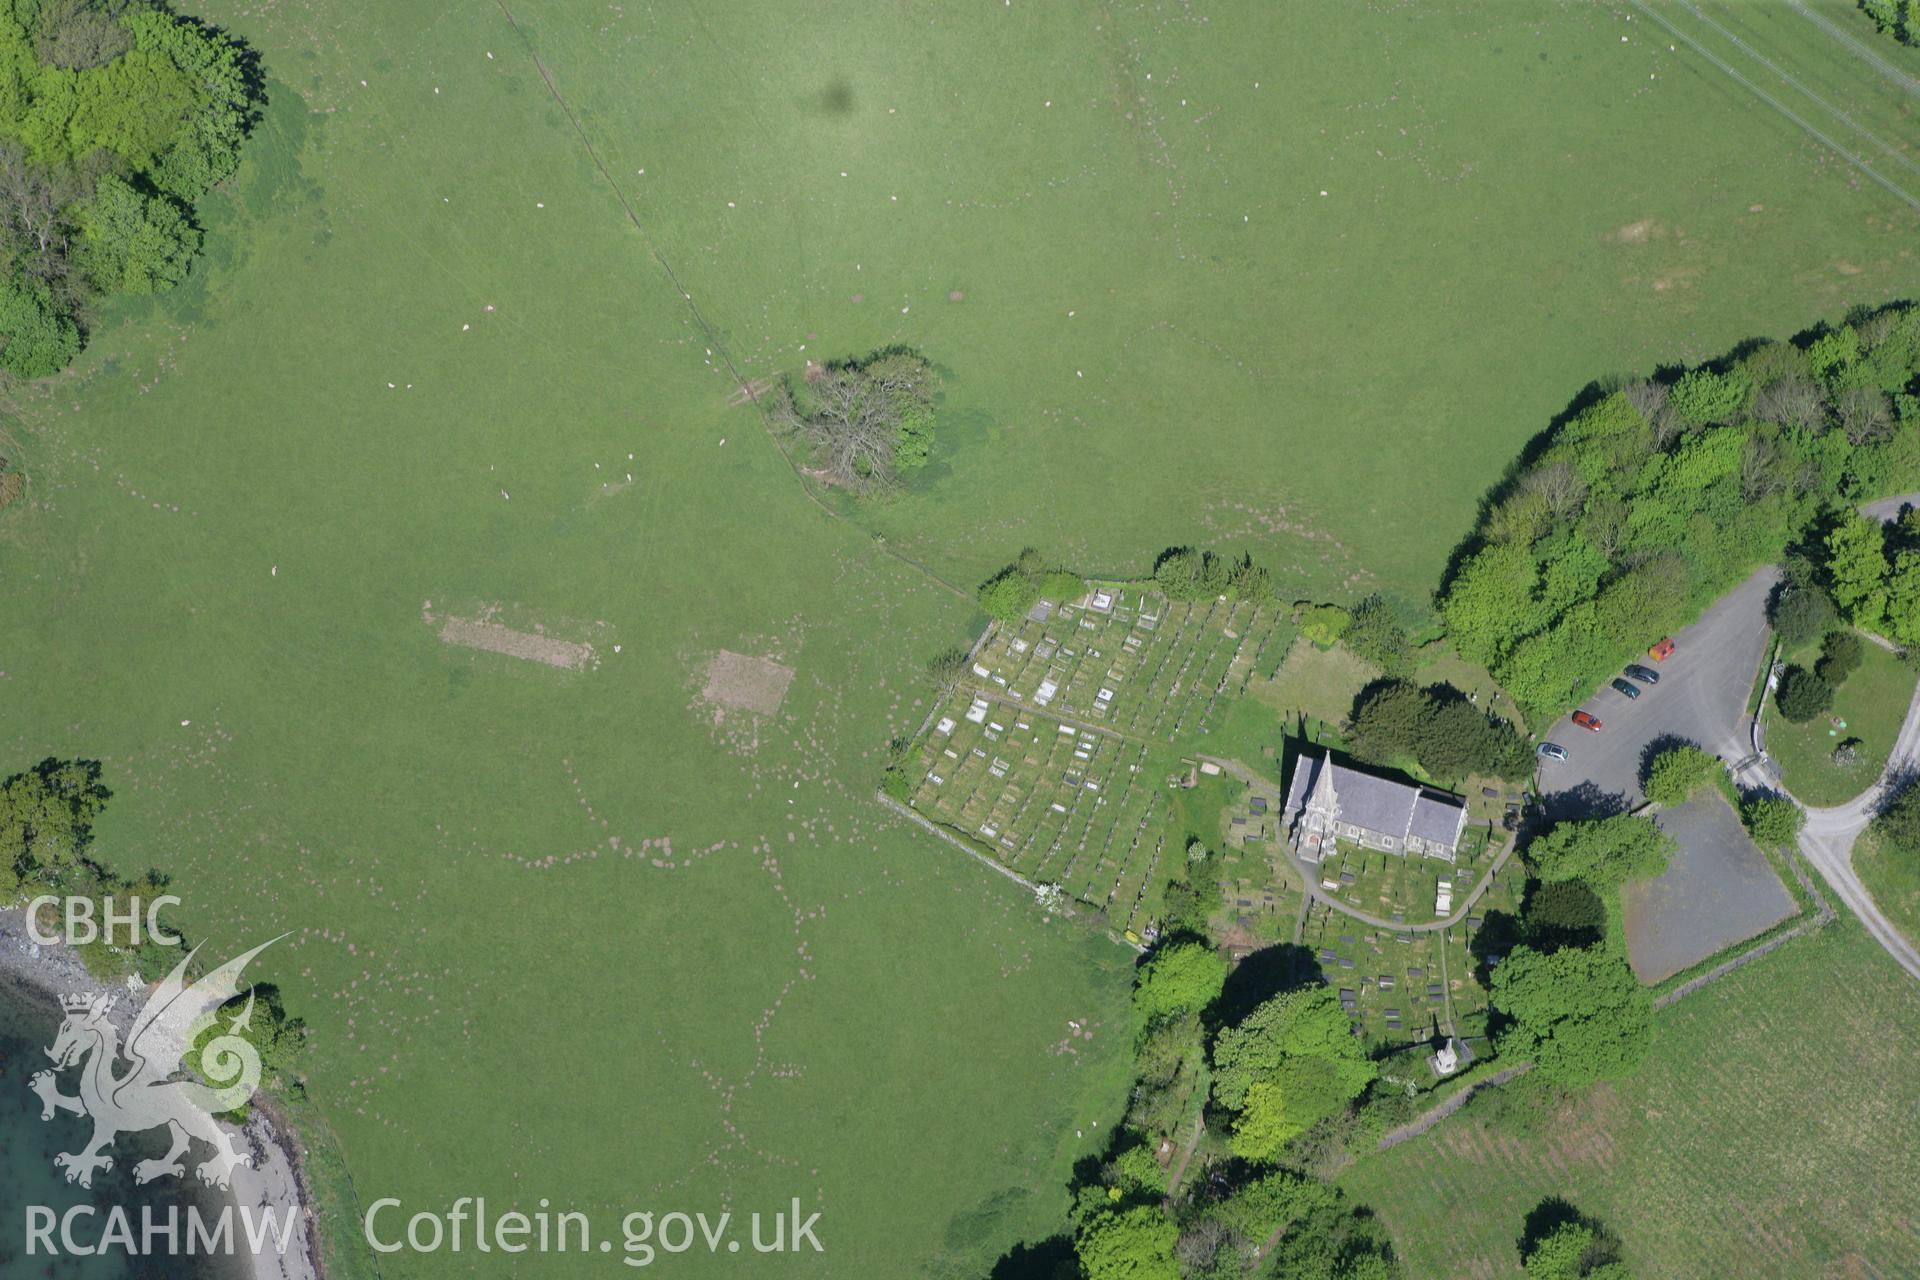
750,684
471,633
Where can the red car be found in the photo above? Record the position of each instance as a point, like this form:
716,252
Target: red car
1586,721
1662,651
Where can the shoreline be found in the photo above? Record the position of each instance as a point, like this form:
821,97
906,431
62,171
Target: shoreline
277,1178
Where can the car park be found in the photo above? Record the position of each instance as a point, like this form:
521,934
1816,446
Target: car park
1551,751
1626,688
1645,675
1587,721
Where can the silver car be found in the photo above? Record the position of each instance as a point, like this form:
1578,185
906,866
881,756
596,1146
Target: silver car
1551,751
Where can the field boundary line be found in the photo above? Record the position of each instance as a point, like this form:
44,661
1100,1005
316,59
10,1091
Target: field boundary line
741,382
1871,56
1761,58
1900,193
952,838
1427,1120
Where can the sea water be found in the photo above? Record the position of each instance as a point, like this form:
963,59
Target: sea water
28,1176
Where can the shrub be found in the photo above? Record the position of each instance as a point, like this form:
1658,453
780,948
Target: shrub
1603,852
1677,773
1062,585
1774,822
1803,695
1839,658
1184,977
1801,611
1008,594
1704,396
1373,633
1183,573
40,338
1324,624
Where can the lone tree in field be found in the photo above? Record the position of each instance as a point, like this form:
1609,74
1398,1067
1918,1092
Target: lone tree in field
867,422
1561,1243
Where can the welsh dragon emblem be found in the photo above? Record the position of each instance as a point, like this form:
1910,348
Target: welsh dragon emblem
147,1094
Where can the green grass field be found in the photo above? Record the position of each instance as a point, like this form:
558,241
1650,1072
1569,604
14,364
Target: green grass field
1737,1150
585,935
1871,703
1892,878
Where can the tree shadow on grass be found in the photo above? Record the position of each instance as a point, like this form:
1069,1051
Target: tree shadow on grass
1266,973
1051,1259
1543,1220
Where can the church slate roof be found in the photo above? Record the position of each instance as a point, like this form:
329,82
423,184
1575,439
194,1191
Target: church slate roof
1373,803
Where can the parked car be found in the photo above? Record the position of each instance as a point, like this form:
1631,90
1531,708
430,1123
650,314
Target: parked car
1662,651
1551,751
1626,688
1645,675
1587,721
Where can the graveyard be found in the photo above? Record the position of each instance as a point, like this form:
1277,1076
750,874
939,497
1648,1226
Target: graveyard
1063,748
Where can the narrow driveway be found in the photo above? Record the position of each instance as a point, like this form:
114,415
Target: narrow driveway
1701,698
1827,842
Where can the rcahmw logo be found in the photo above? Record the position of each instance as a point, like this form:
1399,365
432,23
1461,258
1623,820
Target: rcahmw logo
115,927
159,1234
643,1236
145,1096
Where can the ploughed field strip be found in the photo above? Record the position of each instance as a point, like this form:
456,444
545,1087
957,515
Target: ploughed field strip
1047,756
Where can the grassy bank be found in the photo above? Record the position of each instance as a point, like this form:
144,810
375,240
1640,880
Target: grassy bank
1868,708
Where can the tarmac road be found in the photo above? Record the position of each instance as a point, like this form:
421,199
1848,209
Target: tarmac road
1701,698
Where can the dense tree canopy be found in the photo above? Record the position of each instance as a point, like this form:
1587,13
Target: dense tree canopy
1184,977
1603,852
1185,573
1678,772
116,117
1578,1013
46,821
1800,609
1133,1243
867,422
1899,822
1316,1233
1562,913
1803,695
1649,502
1563,1244
1015,589
1774,822
1437,728
1898,18
1374,633
1290,1063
